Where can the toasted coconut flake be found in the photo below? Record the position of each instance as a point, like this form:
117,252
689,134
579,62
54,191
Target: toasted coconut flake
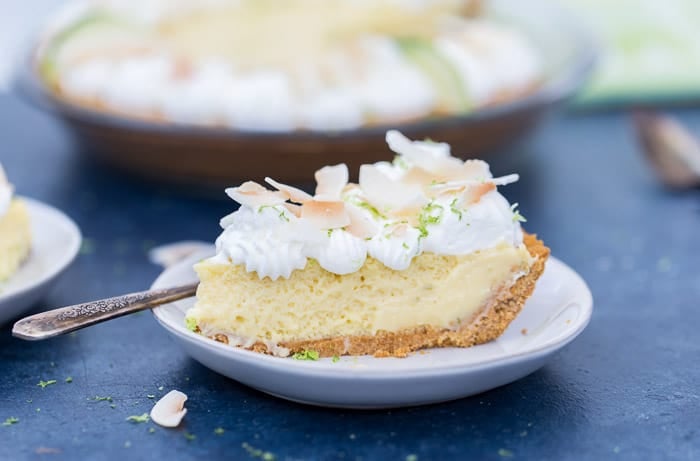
433,157
417,175
294,209
253,195
292,193
248,187
473,194
454,185
171,254
325,215
360,225
408,214
475,169
505,180
331,180
446,190
380,189
399,230
402,145
170,409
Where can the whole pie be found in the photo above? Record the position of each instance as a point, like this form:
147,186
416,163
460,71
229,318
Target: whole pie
267,65
423,252
15,236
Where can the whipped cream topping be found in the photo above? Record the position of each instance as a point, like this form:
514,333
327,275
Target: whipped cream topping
490,58
6,192
425,201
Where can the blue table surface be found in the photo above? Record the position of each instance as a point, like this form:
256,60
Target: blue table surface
627,388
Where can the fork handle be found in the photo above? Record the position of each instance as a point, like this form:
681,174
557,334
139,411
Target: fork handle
57,322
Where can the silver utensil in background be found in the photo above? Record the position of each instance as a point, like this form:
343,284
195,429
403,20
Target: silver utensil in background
671,149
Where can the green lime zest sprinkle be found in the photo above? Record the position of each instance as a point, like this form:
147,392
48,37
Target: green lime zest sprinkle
307,354
405,245
191,323
219,431
517,217
400,162
282,215
454,209
43,384
144,418
427,216
371,208
151,430
190,437
10,421
503,453
258,453
97,398
69,379
335,359
412,457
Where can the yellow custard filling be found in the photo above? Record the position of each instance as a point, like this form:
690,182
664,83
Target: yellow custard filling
436,290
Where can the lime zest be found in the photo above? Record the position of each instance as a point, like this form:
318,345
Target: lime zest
191,324
517,217
144,418
10,421
306,354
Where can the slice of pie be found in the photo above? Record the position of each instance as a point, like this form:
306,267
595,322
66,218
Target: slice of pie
424,252
15,236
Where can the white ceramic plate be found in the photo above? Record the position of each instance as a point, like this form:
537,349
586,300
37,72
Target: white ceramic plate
55,243
557,312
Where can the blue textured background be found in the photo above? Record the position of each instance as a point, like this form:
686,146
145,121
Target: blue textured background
628,388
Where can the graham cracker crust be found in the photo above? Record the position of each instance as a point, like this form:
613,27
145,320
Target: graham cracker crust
487,325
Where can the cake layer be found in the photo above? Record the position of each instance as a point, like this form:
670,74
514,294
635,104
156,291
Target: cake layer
15,238
315,307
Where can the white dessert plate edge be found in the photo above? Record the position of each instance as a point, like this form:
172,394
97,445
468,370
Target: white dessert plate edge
559,310
56,242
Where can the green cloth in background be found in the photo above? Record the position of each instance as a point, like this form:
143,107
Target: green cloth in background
651,50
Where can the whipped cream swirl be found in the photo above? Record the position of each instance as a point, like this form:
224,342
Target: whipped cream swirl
6,191
425,201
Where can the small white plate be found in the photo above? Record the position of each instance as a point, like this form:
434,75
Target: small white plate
55,243
556,313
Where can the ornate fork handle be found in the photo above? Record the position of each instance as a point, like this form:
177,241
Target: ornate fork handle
66,319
